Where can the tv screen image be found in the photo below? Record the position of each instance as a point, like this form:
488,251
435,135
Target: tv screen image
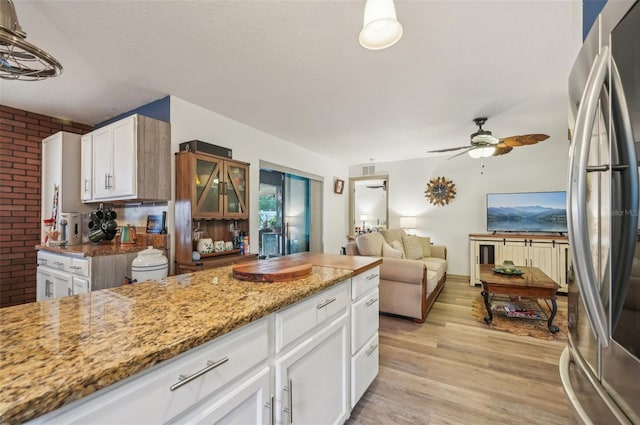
527,212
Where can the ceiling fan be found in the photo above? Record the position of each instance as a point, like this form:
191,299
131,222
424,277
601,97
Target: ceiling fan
484,144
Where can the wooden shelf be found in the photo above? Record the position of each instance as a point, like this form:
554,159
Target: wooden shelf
221,253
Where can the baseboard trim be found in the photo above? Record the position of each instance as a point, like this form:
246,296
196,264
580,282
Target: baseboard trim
461,277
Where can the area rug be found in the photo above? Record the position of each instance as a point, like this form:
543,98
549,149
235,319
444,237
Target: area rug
531,327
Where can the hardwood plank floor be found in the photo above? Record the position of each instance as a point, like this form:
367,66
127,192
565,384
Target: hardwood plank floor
455,370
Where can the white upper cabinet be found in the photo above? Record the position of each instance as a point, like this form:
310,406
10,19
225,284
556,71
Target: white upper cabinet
130,160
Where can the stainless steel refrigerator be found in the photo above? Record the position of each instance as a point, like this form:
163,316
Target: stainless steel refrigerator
600,368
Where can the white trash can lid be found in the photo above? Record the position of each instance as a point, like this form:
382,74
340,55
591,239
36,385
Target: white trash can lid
150,257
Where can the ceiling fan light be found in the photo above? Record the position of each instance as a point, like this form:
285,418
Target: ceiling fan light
482,152
484,137
380,29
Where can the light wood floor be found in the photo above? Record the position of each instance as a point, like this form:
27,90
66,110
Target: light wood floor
454,370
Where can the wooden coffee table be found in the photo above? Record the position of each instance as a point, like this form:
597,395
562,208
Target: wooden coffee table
532,284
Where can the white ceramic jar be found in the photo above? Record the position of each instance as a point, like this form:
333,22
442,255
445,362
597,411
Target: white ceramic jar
205,246
150,264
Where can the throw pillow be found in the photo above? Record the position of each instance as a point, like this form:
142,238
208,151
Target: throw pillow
425,241
397,245
391,252
370,244
412,247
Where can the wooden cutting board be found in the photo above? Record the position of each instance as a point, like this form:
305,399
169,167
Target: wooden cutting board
279,270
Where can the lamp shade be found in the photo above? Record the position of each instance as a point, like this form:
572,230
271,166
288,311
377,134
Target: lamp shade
408,222
381,28
482,152
363,217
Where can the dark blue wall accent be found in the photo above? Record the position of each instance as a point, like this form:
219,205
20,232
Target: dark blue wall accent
590,11
159,109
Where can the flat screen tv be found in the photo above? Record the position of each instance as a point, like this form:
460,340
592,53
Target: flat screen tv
527,212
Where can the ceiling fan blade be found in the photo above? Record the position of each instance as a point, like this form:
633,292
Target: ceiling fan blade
524,139
501,150
468,148
449,149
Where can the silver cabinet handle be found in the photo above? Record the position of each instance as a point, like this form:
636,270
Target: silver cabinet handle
86,184
325,303
371,301
183,380
372,276
289,410
58,263
270,406
106,181
69,291
47,288
75,267
371,349
42,261
110,180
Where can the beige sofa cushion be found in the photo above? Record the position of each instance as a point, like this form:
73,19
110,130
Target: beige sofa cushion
397,245
370,244
425,241
390,252
391,235
412,247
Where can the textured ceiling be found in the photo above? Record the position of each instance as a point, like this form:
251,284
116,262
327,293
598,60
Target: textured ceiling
294,69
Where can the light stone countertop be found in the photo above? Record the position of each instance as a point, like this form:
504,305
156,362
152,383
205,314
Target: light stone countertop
58,351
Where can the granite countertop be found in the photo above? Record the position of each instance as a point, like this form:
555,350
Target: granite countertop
113,247
57,351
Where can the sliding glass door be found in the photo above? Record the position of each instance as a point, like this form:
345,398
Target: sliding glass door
284,213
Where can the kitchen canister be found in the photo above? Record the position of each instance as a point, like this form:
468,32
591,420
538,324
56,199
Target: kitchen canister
205,246
218,246
150,264
228,246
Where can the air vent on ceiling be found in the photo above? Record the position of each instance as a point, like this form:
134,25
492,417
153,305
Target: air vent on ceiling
368,170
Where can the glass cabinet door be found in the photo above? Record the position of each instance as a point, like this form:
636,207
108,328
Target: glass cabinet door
236,190
207,202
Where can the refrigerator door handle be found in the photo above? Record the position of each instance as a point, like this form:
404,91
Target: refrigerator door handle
577,199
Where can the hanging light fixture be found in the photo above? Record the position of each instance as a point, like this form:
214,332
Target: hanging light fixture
19,59
381,29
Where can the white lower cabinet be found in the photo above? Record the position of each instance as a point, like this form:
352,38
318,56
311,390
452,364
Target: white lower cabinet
312,380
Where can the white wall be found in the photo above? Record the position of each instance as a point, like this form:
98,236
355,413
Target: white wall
541,167
189,121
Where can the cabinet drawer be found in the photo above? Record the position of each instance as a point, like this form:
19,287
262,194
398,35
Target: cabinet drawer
365,319
364,281
55,261
80,266
295,321
364,369
148,397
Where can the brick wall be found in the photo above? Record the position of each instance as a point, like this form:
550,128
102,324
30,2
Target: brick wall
21,135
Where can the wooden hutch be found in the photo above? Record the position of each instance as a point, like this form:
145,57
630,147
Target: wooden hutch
212,193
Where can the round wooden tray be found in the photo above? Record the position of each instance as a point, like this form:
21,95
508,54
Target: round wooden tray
280,270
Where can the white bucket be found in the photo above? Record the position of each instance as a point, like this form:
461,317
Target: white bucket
150,264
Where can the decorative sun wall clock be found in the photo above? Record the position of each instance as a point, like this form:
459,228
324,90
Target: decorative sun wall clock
440,191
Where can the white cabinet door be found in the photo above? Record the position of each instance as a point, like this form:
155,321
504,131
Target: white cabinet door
86,176
516,251
44,286
543,255
312,380
102,154
123,174
62,285
81,285
248,404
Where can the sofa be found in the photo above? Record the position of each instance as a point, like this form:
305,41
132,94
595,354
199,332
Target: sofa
412,273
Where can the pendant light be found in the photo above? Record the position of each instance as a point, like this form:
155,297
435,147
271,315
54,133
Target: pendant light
381,29
19,59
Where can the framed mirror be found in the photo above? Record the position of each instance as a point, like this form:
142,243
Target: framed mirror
368,203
